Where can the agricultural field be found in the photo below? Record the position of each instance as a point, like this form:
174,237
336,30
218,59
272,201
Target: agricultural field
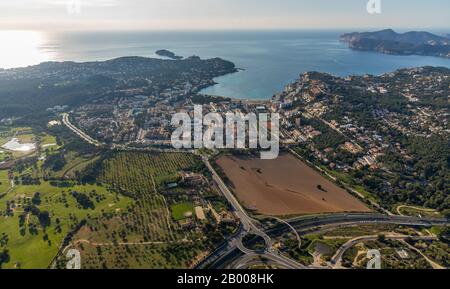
148,170
285,186
149,233
140,175
141,256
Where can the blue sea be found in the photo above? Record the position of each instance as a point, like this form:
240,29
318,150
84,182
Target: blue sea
269,59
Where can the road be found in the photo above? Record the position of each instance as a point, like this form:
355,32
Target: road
80,133
399,209
302,223
297,235
91,140
247,222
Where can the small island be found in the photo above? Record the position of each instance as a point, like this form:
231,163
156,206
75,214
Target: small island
168,54
409,43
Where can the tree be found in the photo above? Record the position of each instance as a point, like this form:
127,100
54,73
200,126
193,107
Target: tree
446,213
444,235
44,219
36,200
83,200
381,238
4,257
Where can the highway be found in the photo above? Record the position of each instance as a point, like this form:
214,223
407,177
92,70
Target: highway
306,223
247,222
91,140
80,133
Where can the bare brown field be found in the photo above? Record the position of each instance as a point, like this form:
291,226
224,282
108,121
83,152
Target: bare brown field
285,186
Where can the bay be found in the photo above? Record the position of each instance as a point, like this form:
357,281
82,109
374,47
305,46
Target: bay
268,59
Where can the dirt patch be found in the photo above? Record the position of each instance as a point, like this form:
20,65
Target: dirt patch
285,186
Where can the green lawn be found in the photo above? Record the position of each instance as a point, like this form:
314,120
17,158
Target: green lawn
2,155
30,250
4,181
181,210
47,139
48,142
26,138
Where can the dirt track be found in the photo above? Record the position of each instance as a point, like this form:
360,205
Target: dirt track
285,186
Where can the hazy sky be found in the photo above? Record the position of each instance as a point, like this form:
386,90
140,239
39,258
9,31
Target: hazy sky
221,14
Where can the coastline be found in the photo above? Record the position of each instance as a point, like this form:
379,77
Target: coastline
267,61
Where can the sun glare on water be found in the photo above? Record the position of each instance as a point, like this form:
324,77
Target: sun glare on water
22,48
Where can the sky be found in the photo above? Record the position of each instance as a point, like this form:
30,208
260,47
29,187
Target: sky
220,14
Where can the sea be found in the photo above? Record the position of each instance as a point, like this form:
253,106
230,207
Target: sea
268,60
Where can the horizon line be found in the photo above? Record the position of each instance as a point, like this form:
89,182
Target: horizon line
261,29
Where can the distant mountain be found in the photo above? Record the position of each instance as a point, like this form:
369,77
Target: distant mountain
389,42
